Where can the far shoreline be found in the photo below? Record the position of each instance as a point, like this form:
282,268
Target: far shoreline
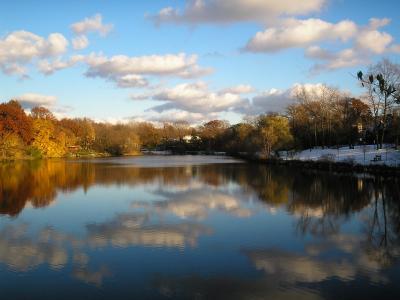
309,165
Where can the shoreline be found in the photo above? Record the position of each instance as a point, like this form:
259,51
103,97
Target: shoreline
83,156
320,165
331,166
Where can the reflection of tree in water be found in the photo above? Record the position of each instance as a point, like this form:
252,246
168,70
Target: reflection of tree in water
382,222
323,201
320,200
271,185
38,182
302,191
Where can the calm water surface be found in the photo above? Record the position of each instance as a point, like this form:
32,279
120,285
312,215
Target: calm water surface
195,228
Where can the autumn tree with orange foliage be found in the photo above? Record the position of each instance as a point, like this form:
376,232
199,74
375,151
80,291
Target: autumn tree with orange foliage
15,130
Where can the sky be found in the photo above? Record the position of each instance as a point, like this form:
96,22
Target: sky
194,60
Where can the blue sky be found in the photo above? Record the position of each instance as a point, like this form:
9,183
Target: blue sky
194,60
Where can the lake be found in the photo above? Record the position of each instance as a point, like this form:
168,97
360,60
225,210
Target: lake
195,227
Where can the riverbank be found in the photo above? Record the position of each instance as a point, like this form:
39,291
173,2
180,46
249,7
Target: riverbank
68,156
360,158
326,165
365,155
77,155
322,162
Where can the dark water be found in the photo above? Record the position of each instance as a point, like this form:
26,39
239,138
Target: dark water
195,228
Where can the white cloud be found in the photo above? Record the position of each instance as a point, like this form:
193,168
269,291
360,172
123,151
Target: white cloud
128,71
196,97
132,80
48,67
367,42
169,64
239,89
229,11
20,48
276,100
373,41
124,71
335,60
92,24
193,102
299,33
196,103
317,52
80,42
30,100
286,30
141,96
375,23
175,115
272,100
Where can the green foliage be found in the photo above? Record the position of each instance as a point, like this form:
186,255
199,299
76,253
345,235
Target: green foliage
274,133
34,152
11,146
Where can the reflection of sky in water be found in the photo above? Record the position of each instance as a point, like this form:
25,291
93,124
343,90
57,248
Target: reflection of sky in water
211,230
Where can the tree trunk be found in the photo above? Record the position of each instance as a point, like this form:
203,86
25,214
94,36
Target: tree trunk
384,122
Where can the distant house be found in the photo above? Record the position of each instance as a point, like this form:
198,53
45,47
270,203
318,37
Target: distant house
187,138
190,138
360,127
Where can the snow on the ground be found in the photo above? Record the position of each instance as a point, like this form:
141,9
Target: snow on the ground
363,155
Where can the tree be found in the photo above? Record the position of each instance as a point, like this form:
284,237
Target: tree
117,139
274,133
182,129
382,84
211,133
15,129
14,120
239,138
394,126
47,137
40,112
149,135
86,134
314,119
354,113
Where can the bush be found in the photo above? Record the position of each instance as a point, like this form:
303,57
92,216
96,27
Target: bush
34,152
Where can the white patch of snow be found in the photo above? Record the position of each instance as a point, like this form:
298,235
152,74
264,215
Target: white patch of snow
362,155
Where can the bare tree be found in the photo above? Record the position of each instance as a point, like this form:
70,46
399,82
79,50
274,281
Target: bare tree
318,108
382,84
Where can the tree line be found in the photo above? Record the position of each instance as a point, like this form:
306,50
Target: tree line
322,117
